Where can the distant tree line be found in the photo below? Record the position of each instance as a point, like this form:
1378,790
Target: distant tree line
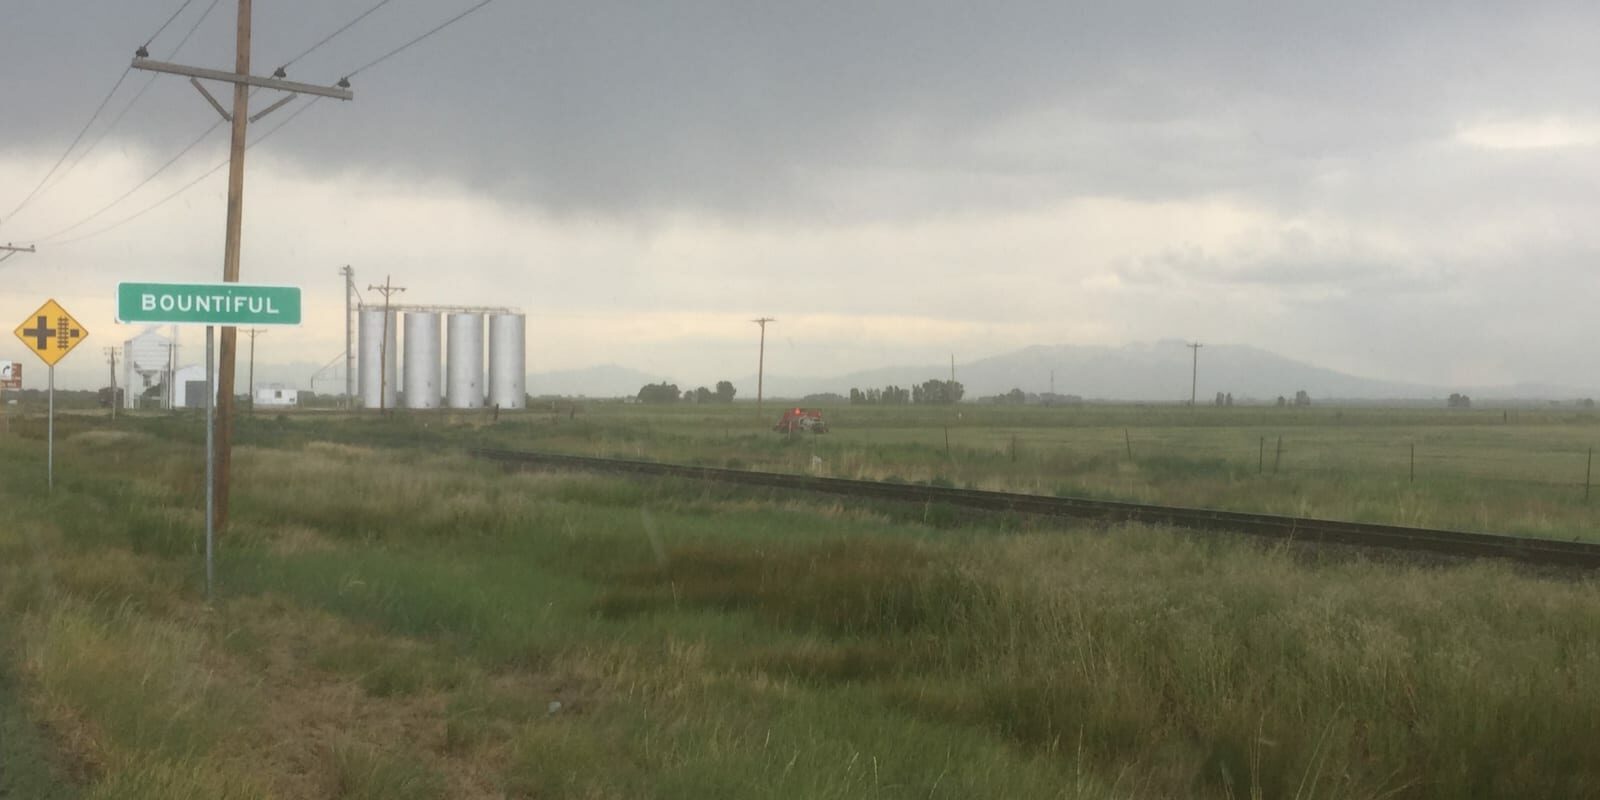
887,396
1017,397
1300,399
930,392
668,393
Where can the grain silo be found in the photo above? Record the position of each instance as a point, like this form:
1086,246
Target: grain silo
422,359
464,367
377,327
507,361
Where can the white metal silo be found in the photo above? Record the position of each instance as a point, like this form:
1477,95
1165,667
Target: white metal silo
508,360
375,352
422,359
464,367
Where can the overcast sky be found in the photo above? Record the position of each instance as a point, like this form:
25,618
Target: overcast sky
1399,190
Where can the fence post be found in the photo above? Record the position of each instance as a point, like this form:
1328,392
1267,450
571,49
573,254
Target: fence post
1129,442
1588,471
947,441
1277,457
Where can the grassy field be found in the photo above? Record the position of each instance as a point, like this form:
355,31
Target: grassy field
396,621
1501,471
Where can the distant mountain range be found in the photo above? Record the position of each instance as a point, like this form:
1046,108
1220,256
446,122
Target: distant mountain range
1144,372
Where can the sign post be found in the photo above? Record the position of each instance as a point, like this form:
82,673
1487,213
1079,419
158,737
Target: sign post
208,304
51,333
211,451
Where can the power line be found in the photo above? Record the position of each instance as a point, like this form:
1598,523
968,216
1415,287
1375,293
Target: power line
68,151
331,36
92,118
140,185
190,185
441,26
169,21
82,154
370,64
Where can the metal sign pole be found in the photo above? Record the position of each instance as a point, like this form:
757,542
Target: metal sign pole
211,453
50,436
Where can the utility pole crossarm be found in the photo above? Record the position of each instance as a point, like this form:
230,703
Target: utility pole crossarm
335,92
8,250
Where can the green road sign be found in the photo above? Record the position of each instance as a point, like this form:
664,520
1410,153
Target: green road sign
208,303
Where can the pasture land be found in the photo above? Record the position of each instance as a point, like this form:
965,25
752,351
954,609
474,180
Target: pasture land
402,622
1516,471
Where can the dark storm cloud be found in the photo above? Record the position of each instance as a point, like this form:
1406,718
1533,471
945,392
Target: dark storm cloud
770,108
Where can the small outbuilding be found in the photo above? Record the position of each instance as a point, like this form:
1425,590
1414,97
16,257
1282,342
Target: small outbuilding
276,395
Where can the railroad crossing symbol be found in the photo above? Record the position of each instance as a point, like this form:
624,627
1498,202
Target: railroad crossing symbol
51,332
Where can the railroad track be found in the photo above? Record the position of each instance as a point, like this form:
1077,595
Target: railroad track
1549,552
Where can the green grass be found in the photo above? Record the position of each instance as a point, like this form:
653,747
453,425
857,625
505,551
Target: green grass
1344,463
26,757
402,623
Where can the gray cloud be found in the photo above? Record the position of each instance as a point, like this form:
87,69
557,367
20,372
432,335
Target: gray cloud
615,107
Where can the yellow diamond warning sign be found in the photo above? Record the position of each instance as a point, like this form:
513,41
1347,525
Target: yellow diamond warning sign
51,332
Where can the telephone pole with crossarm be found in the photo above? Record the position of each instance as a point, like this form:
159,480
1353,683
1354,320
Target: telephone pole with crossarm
242,81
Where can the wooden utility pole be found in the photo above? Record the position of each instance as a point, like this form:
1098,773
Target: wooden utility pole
230,266
111,356
251,389
1194,374
383,343
242,82
761,363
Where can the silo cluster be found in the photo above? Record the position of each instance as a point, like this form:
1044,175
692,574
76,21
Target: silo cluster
463,382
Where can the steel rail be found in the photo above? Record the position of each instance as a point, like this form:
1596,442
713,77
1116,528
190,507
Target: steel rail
1531,550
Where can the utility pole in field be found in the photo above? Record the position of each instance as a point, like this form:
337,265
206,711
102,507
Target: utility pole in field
386,289
761,362
251,332
242,81
349,353
1194,374
111,357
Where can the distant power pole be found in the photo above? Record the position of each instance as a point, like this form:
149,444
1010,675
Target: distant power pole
251,332
349,353
1194,374
386,289
111,356
761,362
